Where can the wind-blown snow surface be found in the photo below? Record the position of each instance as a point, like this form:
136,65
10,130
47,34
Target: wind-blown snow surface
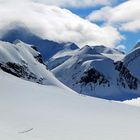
30,111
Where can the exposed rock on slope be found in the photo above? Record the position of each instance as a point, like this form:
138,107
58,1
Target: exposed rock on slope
95,71
23,61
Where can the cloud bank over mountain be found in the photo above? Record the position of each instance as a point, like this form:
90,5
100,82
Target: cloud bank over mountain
55,23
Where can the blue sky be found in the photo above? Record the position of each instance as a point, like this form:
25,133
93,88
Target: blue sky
130,37
131,40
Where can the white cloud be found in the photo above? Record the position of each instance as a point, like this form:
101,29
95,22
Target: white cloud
54,23
132,26
100,15
120,47
76,3
126,15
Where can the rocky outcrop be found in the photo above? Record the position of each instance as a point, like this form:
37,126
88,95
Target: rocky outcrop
20,71
39,57
125,76
95,77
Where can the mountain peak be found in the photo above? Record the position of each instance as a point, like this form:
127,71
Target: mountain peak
17,41
99,49
46,47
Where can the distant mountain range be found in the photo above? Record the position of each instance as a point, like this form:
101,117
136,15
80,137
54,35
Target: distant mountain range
96,71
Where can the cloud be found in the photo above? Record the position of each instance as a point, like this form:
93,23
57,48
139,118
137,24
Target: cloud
76,3
120,47
132,26
126,15
54,23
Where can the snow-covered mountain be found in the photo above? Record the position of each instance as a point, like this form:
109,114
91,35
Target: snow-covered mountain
65,54
22,60
101,72
50,110
46,47
132,61
96,71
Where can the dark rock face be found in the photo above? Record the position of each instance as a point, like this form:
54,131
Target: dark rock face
95,77
20,71
39,58
34,47
125,76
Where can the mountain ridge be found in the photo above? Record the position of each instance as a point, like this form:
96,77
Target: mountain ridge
96,71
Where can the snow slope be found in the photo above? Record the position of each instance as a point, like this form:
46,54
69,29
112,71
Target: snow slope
63,55
30,111
60,57
23,61
95,71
